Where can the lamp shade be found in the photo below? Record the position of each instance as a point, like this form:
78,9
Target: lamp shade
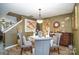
39,21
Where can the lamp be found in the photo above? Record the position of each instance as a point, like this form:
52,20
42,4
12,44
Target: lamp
39,20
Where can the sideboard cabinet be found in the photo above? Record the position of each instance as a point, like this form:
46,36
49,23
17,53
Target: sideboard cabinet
66,39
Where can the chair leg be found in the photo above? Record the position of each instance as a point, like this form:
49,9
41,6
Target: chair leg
49,50
31,49
54,49
21,51
58,51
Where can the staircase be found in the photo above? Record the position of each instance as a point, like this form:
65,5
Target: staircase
10,36
10,33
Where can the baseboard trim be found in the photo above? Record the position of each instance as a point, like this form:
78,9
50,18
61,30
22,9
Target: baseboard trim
10,46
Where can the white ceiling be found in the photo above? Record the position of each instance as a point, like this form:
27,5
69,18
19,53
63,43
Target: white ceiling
48,9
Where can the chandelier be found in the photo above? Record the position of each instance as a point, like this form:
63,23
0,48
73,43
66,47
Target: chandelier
40,19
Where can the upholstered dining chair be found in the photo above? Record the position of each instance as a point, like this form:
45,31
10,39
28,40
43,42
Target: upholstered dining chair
56,41
23,43
42,46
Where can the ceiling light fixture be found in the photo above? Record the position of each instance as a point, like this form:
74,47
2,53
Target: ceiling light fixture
40,19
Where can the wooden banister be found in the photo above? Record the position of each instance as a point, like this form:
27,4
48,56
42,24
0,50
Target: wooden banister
13,26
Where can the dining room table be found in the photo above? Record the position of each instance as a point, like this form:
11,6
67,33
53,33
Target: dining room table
41,41
33,38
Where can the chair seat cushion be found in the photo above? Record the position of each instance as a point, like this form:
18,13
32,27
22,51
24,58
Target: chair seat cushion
54,45
27,44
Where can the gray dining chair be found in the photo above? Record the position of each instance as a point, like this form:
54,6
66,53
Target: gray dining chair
23,43
42,46
56,42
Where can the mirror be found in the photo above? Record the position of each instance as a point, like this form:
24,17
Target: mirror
56,24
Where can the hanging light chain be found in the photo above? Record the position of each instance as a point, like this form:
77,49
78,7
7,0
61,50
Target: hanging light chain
40,19
39,13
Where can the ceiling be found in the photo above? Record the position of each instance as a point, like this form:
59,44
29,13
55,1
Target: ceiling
31,9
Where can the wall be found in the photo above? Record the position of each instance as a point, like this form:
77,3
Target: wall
11,34
21,27
11,37
76,31
66,18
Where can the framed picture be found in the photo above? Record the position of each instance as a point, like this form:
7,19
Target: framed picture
30,25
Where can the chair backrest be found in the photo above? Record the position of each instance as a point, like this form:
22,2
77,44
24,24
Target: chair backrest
42,46
23,42
22,39
55,40
58,35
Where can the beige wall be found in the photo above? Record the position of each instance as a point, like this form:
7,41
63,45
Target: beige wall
61,18
28,34
21,27
76,31
11,37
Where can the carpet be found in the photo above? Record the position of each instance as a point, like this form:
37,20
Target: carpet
17,50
